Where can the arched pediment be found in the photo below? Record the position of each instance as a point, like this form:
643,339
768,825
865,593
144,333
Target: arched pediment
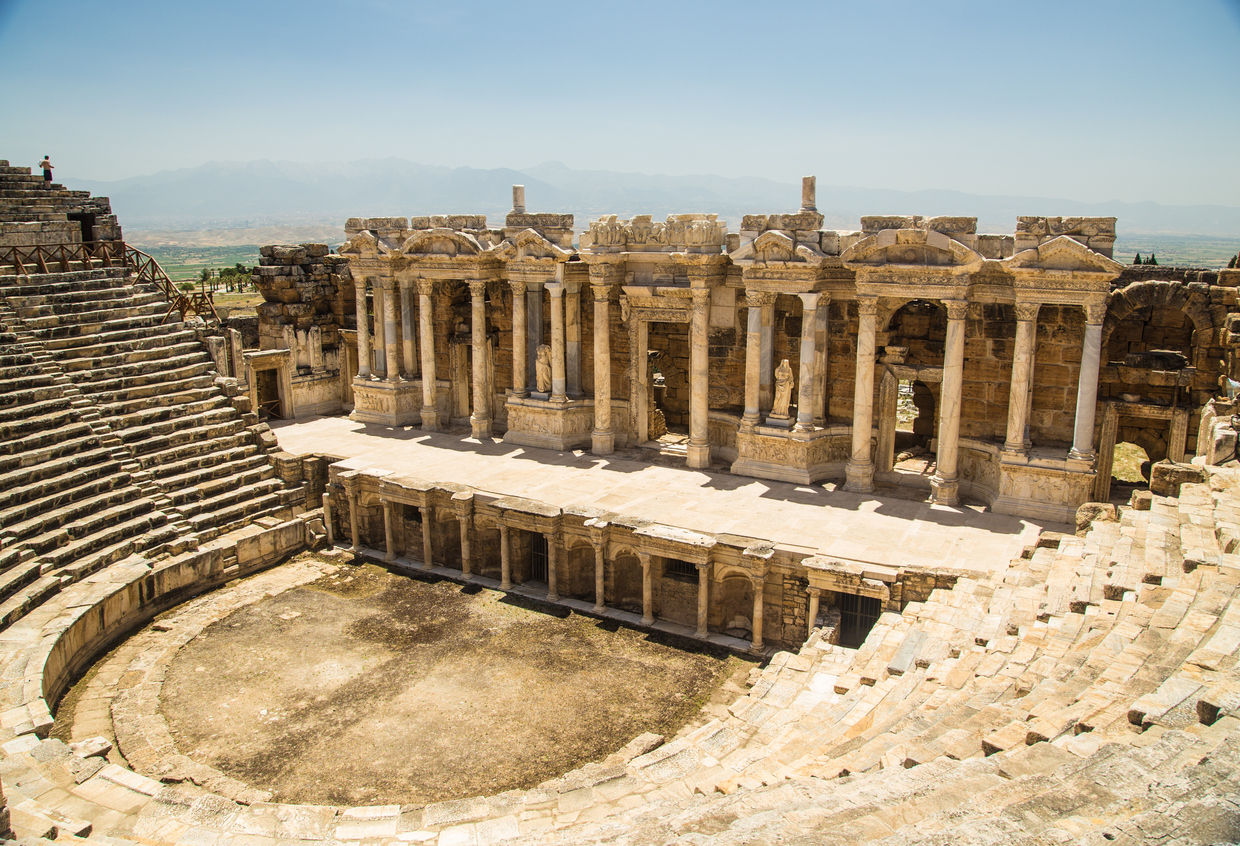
441,242
1063,253
528,244
774,246
363,243
912,248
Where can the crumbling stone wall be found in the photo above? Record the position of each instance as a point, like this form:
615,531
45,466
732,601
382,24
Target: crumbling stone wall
301,285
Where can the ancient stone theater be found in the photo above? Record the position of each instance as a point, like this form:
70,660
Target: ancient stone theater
879,464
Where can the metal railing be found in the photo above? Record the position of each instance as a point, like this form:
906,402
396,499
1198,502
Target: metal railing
60,258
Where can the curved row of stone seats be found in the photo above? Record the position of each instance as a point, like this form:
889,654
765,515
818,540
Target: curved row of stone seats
1003,708
153,384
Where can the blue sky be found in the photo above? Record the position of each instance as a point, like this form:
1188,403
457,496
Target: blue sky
1088,100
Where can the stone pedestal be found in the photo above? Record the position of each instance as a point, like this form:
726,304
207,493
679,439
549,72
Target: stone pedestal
394,403
767,452
550,423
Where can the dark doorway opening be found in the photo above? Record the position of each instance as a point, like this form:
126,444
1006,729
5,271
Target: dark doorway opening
268,389
539,557
87,222
858,614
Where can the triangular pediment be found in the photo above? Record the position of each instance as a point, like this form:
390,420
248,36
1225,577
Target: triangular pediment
1064,254
441,242
912,248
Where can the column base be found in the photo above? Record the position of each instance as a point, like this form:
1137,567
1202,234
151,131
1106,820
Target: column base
1079,455
945,491
553,597
602,442
1018,454
480,429
430,420
859,477
599,609
647,621
698,456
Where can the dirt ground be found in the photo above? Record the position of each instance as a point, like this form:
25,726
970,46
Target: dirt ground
370,688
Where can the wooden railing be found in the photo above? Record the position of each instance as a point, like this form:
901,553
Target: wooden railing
61,258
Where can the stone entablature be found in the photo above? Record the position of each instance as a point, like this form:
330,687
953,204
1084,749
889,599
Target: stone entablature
610,558
1001,336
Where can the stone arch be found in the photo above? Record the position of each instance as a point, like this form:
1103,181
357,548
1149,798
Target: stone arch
624,585
1192,300
440,242
576,573
733,603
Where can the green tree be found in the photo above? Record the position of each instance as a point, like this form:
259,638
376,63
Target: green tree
1137,260
1152,259
1231,265
187,287
205,275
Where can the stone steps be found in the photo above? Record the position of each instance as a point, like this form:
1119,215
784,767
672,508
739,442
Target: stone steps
64,507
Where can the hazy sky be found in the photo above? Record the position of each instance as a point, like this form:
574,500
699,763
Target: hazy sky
1089,100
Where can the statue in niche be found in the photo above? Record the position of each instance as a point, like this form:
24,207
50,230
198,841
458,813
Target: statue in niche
542,368
783,389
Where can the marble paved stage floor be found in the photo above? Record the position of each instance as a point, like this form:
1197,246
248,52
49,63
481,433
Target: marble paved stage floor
890,530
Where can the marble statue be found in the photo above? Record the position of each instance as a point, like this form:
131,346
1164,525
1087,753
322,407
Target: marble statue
783,389
542,368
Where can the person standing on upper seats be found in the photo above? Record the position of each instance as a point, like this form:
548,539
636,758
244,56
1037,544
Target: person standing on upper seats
47,166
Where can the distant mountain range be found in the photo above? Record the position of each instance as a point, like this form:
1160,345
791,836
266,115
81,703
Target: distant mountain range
222,195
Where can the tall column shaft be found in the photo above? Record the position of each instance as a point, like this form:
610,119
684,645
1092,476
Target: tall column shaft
698,451
1022,375
946,484
391,347
603,440
426,325
1087,384
480,419
572,341
703,605
505,559
380,340
533,333
766,357
363,331
328,517
389,532
820,360
815,595
354,535
647,589
520,374
428,554
753,355
466,553
409,362
553,567
808,386
558,384
759,588
860,468
599,585
639,394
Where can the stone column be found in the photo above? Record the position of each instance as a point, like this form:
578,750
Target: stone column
553,563
698,452
389,531
946,483
1087,384
428,554
518,199
820,360
354,534
520,376
759,587
505,560
599,570
639,392
572,340
380,341
480,420
409,368
808,386
766,357
603,441
814,598
426,323
809,190
756,301
647,589
467,563
703,609
391,348
328,517
1022,376
860,467
558,385
533,332
363,330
